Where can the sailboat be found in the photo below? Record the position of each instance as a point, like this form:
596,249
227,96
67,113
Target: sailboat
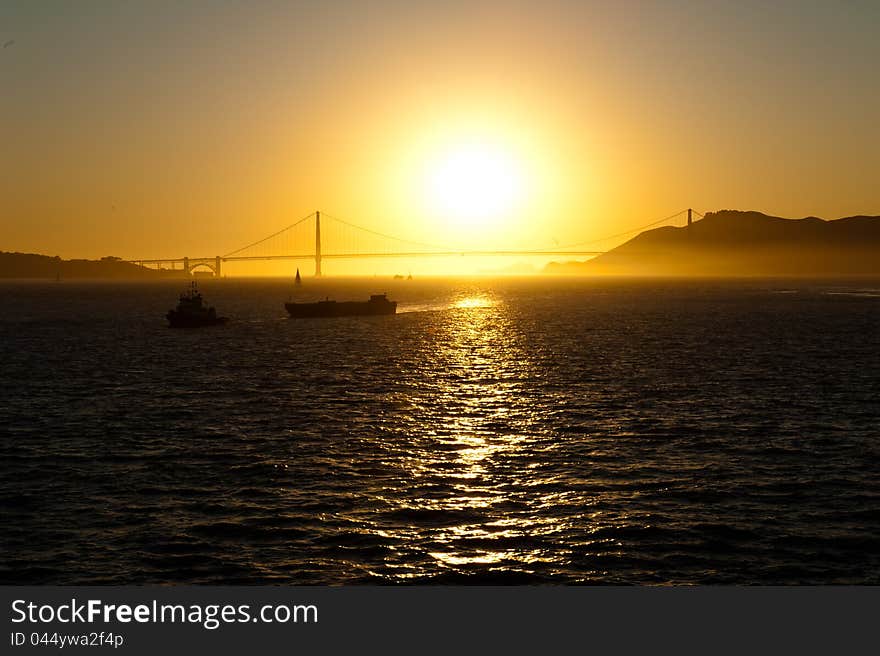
298,280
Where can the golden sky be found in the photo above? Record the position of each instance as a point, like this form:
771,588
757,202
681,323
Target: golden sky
163,129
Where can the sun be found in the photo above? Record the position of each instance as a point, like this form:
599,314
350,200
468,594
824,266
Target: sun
474,184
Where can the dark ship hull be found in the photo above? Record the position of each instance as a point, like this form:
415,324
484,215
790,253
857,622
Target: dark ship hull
180,320
377,305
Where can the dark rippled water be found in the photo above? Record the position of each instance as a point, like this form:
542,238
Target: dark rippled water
520,431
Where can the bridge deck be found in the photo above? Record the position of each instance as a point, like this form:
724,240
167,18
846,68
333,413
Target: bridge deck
311,256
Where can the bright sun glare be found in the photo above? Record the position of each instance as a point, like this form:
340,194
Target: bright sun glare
475,184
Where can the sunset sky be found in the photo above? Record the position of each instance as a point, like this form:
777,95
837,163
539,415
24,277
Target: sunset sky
162,129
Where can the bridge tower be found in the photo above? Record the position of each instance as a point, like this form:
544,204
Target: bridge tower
318,244
690,217
186,265
217,266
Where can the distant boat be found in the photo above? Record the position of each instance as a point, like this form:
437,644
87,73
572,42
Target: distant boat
376,306
298,280
190,313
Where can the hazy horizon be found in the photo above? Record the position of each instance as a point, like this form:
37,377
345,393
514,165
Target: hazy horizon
723,244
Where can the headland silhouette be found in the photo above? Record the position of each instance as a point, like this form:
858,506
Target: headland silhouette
737,243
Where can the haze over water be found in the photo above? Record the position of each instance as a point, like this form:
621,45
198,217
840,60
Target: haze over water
507,431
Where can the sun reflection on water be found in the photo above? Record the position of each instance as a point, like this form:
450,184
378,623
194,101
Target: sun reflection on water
474,301
472,422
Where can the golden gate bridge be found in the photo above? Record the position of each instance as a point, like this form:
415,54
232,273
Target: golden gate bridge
320,236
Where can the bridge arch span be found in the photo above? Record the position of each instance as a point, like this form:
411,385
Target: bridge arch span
194,266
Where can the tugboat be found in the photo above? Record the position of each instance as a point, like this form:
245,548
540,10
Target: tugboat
377,305
190,313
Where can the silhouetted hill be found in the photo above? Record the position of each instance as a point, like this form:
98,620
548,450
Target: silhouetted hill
734,243
29,265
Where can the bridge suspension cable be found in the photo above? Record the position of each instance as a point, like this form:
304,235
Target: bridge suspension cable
274,234
627,232
430,247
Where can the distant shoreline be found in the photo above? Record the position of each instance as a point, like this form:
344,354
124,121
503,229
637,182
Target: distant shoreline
31,266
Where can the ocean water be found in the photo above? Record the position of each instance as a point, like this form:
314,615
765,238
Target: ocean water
493,431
